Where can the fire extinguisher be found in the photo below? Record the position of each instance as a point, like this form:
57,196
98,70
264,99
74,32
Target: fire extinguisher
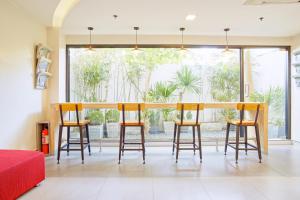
45,141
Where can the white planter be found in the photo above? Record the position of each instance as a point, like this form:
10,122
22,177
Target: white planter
95,131
169,127
113,129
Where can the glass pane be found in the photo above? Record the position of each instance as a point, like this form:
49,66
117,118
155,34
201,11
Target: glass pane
265,77
155,75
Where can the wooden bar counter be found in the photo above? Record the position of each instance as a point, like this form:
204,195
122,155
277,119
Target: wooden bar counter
263,116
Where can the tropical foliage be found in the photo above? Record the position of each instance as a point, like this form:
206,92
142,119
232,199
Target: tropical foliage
128,77
275,97
225,87
186,81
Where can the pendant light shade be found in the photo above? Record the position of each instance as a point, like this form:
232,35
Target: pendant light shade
136,48
227,50
90,47
182,48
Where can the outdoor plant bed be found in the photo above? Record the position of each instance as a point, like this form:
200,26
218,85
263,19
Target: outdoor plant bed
96,131
168,127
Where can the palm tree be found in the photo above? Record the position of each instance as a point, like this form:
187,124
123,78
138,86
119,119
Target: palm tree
162,92
187,81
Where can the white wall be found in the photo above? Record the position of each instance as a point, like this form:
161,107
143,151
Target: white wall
295,97
21,106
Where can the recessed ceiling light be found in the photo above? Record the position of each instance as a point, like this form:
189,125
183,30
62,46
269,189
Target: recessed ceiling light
190,17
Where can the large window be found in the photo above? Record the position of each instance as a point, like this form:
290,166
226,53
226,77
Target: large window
168,75
265,80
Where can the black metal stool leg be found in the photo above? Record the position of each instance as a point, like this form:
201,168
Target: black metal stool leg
199,141
88,138
68,140
143,143
237,140
194,145
123,140
227,137
81,144
246,139
174,138
59,143
177,146
258,142
120,145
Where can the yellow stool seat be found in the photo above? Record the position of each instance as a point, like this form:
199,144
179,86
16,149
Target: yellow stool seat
74,123
132,123
187,123
244,122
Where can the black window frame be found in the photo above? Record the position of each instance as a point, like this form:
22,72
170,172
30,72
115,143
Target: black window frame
241,48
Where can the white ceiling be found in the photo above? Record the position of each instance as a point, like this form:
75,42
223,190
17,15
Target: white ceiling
42,10
166,16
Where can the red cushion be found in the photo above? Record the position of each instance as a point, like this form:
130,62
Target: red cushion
20,171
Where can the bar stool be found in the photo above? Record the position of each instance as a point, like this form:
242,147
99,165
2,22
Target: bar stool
73,107
131,107
194,124
239,123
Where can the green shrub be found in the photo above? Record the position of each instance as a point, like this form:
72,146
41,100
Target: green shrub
95,116
112,116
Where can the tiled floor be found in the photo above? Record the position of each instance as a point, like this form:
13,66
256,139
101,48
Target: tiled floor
218,177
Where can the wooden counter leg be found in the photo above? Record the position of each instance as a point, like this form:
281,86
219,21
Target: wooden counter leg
264,128
53,127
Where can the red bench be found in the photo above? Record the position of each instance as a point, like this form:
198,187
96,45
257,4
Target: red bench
19,172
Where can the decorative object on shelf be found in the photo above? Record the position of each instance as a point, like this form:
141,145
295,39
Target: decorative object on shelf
42,66
296,64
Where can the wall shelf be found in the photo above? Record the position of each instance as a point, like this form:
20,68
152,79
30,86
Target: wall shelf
42,66
296,64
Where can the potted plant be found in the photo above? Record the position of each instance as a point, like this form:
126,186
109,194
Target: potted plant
186,81
96,118
162,92
274,96
225,87
112,118
168,120
154,118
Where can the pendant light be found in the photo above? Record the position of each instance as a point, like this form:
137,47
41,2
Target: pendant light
182,48
136,49
227,51
90,47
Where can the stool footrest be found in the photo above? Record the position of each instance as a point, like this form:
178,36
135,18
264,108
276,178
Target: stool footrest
64,147
131,149
184,143
189,148
133,143
253,147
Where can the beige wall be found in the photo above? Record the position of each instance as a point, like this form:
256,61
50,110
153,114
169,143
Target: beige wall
175,39
295,97
21,105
